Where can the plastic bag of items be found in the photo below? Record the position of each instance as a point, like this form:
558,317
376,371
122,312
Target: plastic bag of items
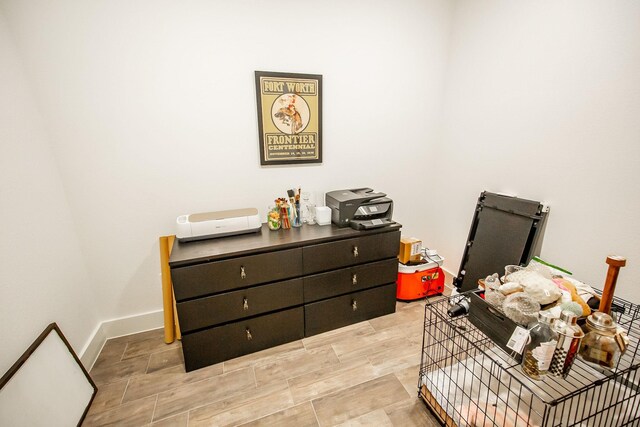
526,290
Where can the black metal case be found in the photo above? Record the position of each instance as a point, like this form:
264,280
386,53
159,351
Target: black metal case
505,230
495,324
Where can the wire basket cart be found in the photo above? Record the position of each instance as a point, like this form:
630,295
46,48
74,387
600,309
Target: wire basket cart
466,380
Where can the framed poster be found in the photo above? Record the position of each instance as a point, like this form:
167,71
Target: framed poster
289,117
47,386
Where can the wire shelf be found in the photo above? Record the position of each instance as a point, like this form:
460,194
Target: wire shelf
466,380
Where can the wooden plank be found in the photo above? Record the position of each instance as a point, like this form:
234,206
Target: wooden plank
167,290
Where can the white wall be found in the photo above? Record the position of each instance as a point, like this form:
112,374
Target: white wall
148,109
543,101
43,276
151,112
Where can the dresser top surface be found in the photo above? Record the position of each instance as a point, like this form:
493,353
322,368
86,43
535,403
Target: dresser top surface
188,253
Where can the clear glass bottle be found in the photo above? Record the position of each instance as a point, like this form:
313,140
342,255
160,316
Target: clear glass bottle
538,351
569,337
308,209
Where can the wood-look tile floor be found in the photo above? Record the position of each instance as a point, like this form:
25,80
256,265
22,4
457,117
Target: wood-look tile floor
363,374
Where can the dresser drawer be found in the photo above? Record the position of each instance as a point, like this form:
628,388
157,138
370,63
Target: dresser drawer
344,253
204,279
229,306
243,337
344,310
350,279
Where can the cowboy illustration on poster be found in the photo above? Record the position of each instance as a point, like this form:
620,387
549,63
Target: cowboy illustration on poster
289,117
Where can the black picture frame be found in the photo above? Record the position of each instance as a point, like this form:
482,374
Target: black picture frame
289,117
36,372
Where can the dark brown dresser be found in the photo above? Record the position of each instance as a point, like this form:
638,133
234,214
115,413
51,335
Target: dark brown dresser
241,294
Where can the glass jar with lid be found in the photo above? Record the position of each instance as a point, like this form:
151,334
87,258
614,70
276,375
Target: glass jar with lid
604,341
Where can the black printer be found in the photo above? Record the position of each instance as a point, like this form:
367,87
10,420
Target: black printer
360,208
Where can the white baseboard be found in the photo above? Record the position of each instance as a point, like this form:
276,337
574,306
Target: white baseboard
117,328
140,323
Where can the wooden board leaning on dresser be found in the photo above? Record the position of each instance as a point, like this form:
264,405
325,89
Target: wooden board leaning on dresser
241,294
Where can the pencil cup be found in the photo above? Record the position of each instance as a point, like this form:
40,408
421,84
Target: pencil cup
296,218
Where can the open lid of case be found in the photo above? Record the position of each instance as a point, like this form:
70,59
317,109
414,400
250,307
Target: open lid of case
505,230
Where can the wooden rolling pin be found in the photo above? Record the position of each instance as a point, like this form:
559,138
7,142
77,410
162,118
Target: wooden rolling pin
615,262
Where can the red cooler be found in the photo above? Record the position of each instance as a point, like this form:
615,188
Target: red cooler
419,281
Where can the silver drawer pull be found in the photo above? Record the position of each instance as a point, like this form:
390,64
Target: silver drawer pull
245,304
249,337
354,279
243,275
355,251
354,305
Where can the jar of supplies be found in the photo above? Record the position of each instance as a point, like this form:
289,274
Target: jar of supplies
604,342
273,218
